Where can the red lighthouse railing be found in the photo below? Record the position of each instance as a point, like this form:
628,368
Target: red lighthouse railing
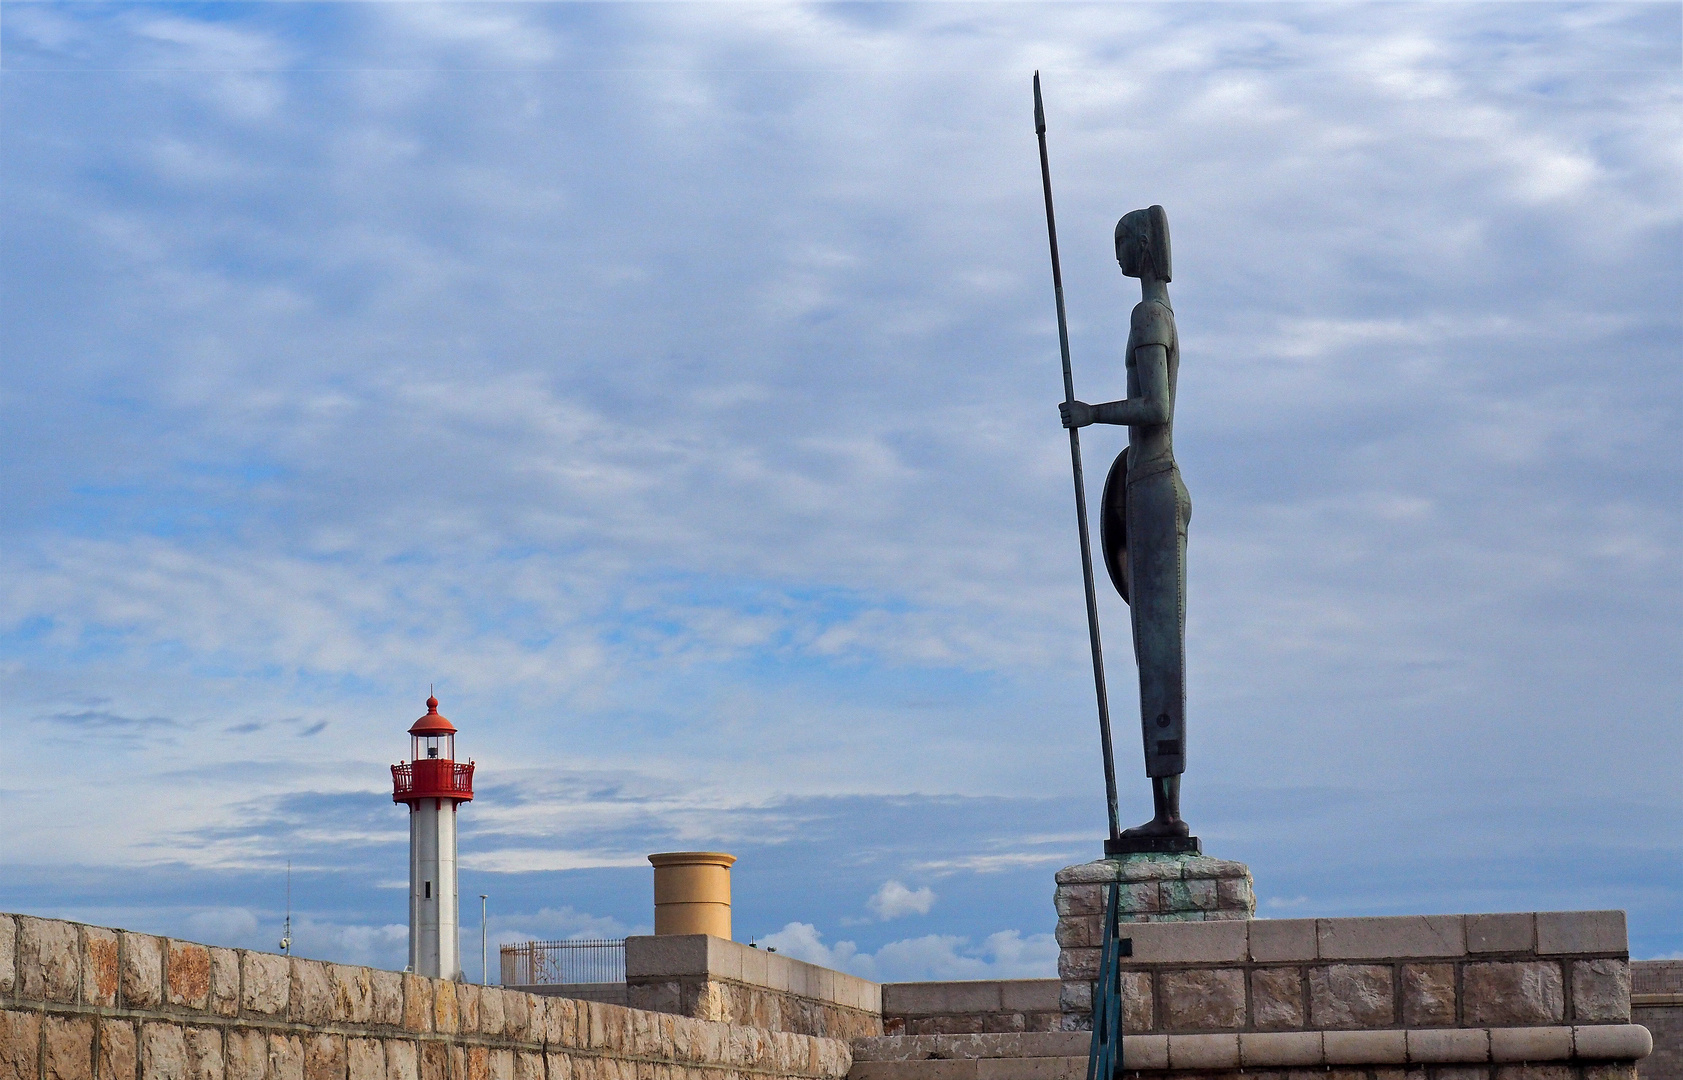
432,779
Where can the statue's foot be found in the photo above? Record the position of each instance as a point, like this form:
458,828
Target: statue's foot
1160,826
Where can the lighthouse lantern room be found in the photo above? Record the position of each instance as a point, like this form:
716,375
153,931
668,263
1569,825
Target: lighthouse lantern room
433,783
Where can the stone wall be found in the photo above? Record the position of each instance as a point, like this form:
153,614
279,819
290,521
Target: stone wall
1602,1052
959,1008
1656,1001
710,978
613,993
1541,996
87,1003
1656,976
1429,971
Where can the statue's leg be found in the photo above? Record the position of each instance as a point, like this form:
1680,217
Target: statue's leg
1157,514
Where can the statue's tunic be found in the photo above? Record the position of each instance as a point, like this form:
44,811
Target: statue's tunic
1157,512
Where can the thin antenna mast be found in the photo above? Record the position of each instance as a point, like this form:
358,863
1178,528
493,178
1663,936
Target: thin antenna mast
286,928
1080,479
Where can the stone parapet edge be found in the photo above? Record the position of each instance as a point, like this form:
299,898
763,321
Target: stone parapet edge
1001,1006
828,1003
956,996
1574,1009
1168,867
421,1001
868,1019
1385,937
391,1034
1291,1049
683,957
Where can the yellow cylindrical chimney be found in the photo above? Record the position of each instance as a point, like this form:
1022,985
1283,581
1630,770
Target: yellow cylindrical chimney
692,892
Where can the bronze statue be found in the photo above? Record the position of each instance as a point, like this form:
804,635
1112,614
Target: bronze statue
1143,521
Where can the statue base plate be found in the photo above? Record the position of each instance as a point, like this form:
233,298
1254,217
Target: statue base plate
1152,845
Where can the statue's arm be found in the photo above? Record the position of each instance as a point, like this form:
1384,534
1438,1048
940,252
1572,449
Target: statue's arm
1151,407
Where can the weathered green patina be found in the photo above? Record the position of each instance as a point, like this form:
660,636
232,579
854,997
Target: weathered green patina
1144,520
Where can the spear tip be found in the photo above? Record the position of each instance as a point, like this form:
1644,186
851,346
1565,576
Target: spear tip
1039,112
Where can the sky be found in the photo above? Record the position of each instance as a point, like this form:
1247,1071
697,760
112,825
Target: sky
673,387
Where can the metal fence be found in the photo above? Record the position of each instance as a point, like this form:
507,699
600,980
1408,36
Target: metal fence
582,960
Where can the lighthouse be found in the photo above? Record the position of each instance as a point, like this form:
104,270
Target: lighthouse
433,783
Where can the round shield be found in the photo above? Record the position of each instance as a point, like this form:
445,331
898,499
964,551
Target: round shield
1113,523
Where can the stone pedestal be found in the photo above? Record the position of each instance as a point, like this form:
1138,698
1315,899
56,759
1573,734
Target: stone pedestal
1155,888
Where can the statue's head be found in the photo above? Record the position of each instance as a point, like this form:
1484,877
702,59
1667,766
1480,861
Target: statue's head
1142,243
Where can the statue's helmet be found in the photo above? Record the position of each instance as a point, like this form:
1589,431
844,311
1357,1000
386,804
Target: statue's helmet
1142,243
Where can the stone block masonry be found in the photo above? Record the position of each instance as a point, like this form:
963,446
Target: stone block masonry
973,1007
1211,993
1430,971
1603,1053
87,1003
711,978
1656,1000
1155,888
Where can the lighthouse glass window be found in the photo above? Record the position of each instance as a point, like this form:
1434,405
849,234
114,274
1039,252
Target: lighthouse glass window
434,747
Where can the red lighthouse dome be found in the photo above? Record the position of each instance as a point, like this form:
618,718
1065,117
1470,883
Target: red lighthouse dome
432,771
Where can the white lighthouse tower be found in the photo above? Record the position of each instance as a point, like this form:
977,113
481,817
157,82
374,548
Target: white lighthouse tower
433,783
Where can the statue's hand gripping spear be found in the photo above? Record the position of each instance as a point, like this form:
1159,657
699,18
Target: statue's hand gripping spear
1080,482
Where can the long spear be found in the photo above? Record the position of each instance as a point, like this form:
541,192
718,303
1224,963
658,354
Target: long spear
1080,481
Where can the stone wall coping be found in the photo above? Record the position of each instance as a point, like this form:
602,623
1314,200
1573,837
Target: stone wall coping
1292,1049
1581,932
1385,937
970,996
1151,868
1189,942
732,1047
1018,1044
613,993
1646,976
59,973
668,957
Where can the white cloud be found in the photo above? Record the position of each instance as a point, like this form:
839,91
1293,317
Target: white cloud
503,35
993,864
525,860
220,925
1002,955
691,423
894,900
558,924
1285,902
377,946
